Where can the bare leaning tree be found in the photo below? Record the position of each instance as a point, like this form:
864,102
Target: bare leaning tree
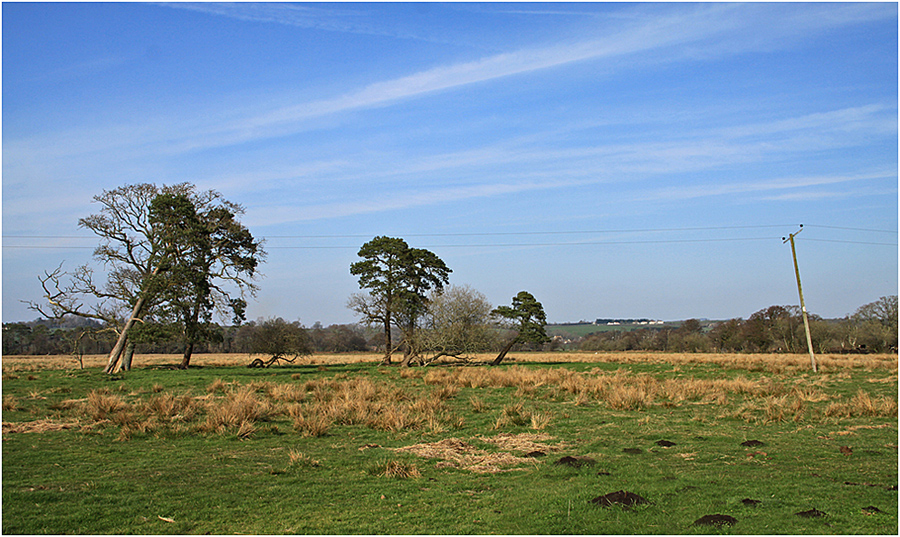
170,252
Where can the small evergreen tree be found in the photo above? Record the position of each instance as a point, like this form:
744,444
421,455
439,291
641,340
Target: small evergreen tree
528,319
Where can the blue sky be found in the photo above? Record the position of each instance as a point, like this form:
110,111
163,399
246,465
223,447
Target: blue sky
615,160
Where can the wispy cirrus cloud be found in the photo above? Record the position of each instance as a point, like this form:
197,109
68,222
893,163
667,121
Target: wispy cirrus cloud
762,186
345,18
528,164
396,199
675,35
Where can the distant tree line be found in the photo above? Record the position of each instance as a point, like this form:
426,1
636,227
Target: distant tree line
776,329
47,337
458,323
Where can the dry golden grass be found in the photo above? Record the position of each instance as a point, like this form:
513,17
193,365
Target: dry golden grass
380,406
398,470
10,402
24,363
296,458
37,426
101,405
478,405
236,410
619,390
309,424
171,408
457,453
316,406
862,404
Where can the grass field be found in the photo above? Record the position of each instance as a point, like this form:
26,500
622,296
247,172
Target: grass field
338,444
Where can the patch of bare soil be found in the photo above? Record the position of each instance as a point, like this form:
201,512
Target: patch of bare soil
38,426
752,443
620,497
715,520
457,453
575,462
750,503
812,513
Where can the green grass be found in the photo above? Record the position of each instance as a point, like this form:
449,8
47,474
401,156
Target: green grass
174,474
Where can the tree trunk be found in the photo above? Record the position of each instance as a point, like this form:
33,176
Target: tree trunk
388,347
190,334
505,350
186,359
129,354
116,353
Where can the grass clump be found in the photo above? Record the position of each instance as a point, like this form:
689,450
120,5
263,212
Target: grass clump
10,403
397,470
239,410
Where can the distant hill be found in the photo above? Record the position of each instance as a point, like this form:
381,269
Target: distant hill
584,328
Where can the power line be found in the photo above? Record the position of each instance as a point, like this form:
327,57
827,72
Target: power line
502,234
589,243
491,245
507,233
512,233
856,229
852,242
35,246
495,245
477,234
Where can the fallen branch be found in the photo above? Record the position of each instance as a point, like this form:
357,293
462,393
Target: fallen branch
258,362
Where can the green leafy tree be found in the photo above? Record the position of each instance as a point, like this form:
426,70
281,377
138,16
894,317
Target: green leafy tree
527,317
397,278
212,248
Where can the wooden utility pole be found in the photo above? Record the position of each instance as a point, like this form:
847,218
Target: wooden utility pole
812,356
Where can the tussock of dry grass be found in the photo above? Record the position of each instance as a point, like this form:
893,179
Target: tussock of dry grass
10,402
101,405
297,458
171,408
307,424
863,405
217,385
398,470
236,410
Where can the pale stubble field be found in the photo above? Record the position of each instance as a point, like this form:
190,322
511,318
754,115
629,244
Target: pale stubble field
774,363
